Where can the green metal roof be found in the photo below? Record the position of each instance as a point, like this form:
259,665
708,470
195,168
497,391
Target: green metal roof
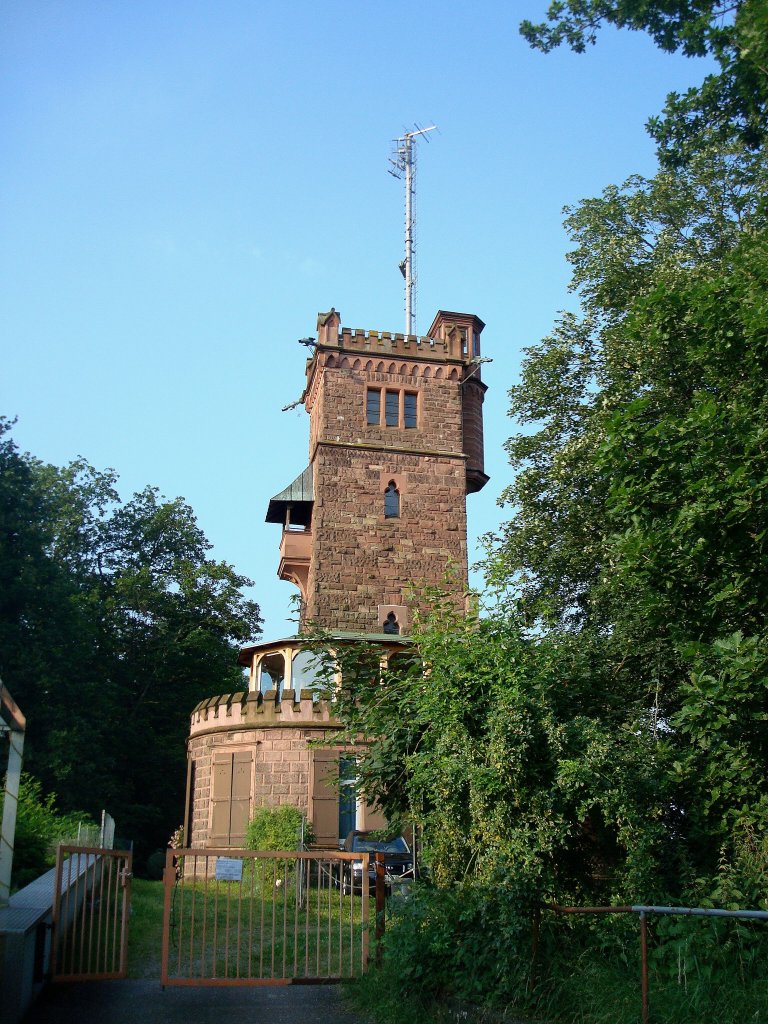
297,496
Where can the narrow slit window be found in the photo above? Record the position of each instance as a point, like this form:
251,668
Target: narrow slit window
391,501
373,406
392,409
409,410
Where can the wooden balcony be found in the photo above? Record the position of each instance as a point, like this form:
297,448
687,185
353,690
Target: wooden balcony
295,554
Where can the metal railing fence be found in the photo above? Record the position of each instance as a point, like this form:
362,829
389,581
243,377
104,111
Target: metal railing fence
246,917
643,913
90,913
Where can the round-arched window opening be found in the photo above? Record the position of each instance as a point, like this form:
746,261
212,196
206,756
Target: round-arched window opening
391,501
391,625
272,674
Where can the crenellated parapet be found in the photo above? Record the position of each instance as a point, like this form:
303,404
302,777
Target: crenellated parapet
250,709
355,340
452,337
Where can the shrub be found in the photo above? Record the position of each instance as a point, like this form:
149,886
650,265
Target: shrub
39,828
276,828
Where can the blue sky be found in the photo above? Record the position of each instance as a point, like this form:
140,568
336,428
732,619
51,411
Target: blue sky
187,184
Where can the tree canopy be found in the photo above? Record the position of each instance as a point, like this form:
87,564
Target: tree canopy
600,732
114,623
732,104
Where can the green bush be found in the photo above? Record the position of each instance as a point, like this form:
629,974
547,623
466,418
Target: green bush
276,828
466,950
39,828
155,865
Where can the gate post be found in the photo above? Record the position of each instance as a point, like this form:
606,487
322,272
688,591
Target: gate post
15,730
169,879
380,905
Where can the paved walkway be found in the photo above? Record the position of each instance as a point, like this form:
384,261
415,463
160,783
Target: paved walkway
145,1002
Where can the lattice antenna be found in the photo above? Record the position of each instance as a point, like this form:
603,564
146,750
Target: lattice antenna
403,165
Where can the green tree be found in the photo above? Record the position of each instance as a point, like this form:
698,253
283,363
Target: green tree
114,625
515,755
732,104
638,524
671,275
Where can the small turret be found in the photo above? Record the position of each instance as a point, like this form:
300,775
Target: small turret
462,333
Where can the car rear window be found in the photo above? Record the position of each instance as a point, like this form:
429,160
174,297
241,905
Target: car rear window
397,845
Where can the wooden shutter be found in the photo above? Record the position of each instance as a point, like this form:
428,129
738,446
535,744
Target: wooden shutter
325,797
241,797
231,797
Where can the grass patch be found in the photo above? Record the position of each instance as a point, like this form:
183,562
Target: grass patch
145,929
595,993
265,928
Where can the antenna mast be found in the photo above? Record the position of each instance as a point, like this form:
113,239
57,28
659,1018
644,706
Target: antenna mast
404,165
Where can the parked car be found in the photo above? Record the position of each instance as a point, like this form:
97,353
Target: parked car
398,860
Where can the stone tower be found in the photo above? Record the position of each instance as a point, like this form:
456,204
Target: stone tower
396,444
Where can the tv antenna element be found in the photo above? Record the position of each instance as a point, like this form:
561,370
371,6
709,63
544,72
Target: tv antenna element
403,163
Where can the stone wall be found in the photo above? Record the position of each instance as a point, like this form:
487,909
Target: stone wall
280,772
361,560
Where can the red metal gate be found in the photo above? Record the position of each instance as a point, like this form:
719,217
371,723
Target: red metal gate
241,917
90,913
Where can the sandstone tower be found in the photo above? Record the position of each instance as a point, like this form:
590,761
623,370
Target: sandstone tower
395,446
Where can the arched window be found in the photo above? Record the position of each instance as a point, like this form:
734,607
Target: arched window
391,501
391,626
272,674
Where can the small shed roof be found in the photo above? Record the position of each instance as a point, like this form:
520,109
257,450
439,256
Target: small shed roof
298,496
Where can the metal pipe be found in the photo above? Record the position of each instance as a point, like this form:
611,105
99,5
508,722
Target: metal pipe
758,915
408,235
643,911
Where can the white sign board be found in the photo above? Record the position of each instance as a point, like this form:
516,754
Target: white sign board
229,869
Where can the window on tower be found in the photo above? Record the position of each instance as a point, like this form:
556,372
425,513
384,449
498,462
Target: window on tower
409,410
391,501
392,408
391,626
373,406
399,408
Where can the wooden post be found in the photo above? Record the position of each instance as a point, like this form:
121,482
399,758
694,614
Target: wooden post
644,965
535,931
380,905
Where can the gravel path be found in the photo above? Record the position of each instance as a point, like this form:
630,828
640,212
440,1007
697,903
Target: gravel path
145,1002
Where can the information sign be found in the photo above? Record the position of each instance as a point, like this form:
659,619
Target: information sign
229,869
